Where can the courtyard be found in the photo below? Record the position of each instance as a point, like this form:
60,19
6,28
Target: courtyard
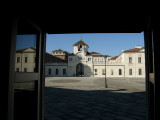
86,98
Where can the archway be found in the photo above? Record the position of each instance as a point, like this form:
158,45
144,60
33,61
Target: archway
80,69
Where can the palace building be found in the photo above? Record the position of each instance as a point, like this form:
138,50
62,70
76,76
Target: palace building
130,63
26,60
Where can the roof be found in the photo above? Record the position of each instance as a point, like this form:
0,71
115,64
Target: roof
81,42
133,50
21,50
100,55
114,58
49,58
94,53
71,54
58,50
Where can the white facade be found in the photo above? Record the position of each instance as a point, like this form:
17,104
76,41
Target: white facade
130,63
26,60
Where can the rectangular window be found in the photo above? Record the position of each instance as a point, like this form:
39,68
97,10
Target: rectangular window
130,59
89,59
140,71
49,71
25,69
95,70
120,71
139,60
18,59
103,72
130,71
26,59
56,71
64,71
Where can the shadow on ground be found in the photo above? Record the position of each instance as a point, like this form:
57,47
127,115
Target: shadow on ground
70,104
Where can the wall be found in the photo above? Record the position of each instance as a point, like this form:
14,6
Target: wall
135,66
30,64
115,69
53,67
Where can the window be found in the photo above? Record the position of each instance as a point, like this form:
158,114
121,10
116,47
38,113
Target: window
140,71
26,59
89,59
95,70
64,71
17,69
111,72
130,59
103,72
49,71
139,60
56,71
18,59
25,69
120,71
130,71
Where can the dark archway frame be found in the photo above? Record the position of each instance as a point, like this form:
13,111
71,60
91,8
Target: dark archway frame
150,25
79,70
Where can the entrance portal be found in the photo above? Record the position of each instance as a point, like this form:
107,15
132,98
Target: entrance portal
80,69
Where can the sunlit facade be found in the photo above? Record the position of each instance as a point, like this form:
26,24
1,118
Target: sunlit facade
130,63
26,60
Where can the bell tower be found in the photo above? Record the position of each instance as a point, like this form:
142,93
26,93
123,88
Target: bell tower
80,46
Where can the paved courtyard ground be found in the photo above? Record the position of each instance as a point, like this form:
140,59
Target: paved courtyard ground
86,98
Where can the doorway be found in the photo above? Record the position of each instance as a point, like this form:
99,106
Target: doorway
80,70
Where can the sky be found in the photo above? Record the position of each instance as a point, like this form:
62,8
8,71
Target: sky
105,43
25,41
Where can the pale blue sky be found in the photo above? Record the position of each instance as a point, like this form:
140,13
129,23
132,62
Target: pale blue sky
105,43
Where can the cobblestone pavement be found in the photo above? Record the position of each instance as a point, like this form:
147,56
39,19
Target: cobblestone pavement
87,99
